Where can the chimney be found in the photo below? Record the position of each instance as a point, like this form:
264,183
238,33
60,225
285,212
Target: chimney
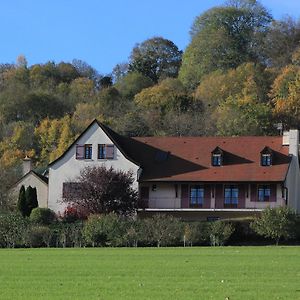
27,165
294,142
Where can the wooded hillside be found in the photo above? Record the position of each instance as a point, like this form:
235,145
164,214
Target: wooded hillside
239,75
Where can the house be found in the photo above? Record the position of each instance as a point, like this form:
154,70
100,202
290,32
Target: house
190,177
35,180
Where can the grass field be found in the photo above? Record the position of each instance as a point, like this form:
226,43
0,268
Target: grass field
166,273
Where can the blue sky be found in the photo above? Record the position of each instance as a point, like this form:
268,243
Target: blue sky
102,33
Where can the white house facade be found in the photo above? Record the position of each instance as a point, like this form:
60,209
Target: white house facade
94,147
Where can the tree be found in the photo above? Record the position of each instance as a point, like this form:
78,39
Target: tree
156,58
285,96
223,37
132,83
170,94
163,230
235,117
220,232
275,223
280,42
31,200
22,205
102,190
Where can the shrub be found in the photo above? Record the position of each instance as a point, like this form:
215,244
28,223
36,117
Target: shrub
43,216
195,233
220,232
101,230
74,213
39,236
13,228
275,223
163,230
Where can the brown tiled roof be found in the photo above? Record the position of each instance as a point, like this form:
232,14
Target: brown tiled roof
189,158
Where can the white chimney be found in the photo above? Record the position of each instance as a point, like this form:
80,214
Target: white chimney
285,138
294,142
27,165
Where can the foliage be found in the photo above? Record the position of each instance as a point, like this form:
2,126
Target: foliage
167,96
132,83
156,58
31,200
285,96
163,230
101,230
102,190
39,236
220,232
195,233
22,205
43,216
222,38
280,42
13,228
275,223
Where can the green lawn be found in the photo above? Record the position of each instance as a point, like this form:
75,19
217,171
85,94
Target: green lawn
149,273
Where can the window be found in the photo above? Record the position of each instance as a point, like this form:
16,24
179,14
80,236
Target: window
88,151
264,193
216,159
79,151
71,190
105,151
161,156
266,159
231,196
196,196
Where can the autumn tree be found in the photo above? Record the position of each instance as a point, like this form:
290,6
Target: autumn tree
156,58
285,96
102,190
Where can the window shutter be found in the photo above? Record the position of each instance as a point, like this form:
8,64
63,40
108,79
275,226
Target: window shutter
242,195
79,151
144,197
184,196
273,193
109,151
207,196
219,196
253,193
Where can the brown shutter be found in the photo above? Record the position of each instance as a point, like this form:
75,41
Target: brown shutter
273,190
144,197
79,151
185,201
219,196
109,149
207,196
254,192
242,196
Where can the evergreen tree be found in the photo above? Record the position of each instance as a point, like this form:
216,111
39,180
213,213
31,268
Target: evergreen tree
31,200
22,205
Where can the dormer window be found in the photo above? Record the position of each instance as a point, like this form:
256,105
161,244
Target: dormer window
266,157
266,160
216,160
217,157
